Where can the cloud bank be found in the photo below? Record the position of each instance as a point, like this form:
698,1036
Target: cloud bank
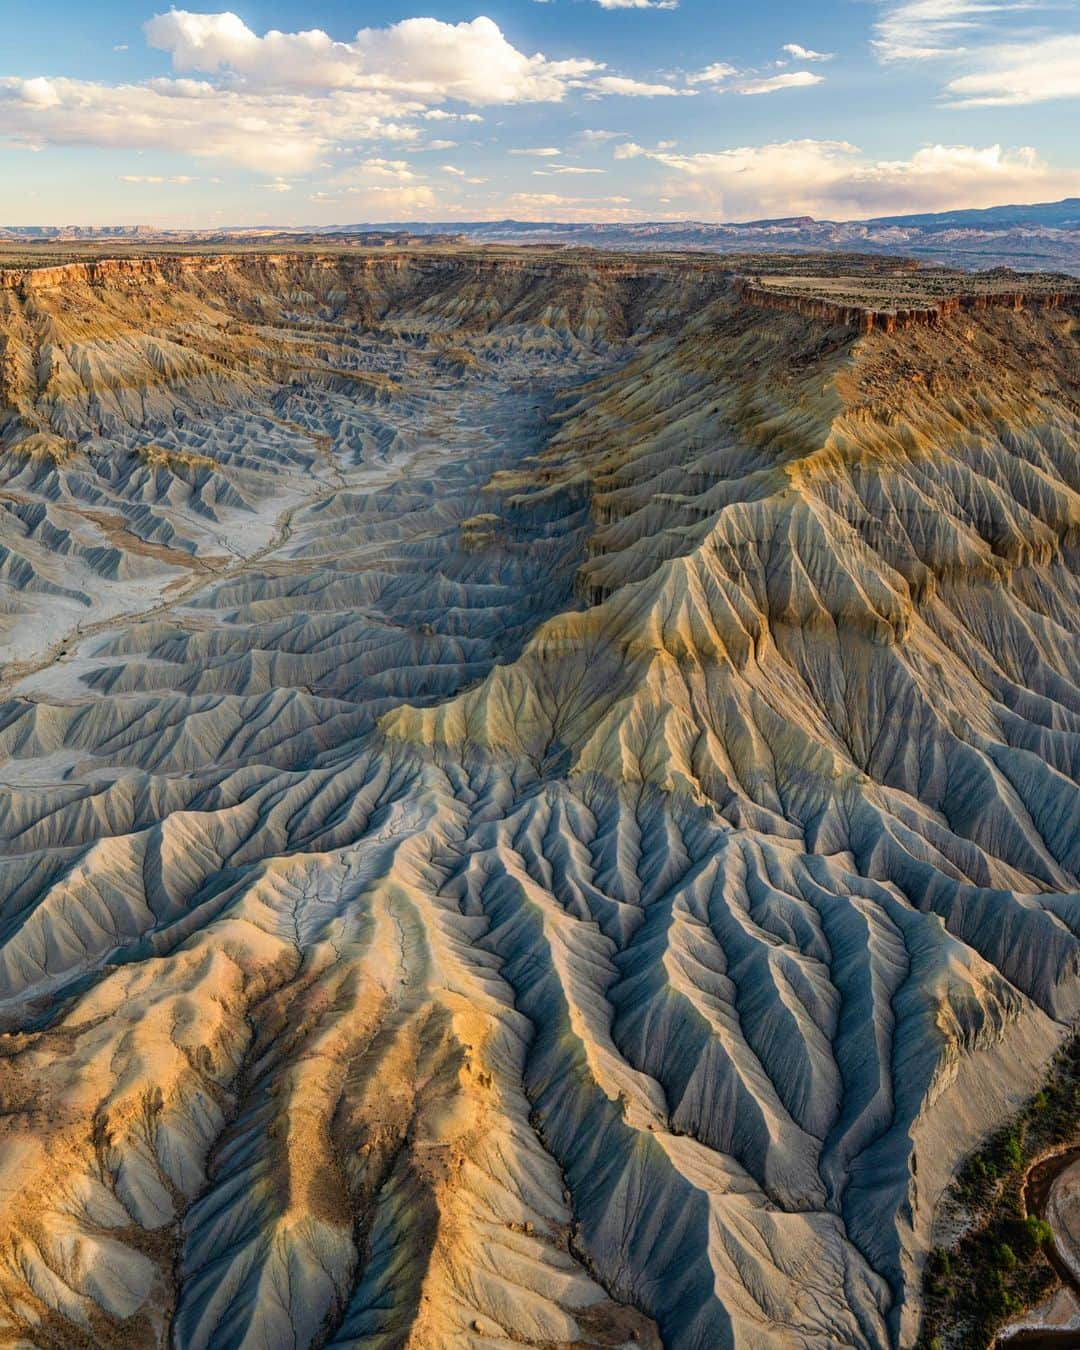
835,179
279,102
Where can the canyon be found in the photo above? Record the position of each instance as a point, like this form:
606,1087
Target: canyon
540,789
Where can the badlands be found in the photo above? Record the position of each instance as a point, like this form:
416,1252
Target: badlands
539,789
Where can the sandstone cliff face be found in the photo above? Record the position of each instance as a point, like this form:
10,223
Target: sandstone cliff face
557,823
869,318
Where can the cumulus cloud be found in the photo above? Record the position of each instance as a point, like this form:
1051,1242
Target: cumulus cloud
280,102
834,179
275,134
399,170
424,58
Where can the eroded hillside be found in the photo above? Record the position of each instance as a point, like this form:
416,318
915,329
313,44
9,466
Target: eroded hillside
540,797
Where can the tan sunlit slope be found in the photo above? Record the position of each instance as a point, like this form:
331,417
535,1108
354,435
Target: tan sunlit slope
540,798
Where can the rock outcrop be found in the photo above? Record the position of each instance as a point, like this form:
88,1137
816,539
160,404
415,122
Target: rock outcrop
931,312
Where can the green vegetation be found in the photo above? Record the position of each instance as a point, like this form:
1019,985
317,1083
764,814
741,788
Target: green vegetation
999,1266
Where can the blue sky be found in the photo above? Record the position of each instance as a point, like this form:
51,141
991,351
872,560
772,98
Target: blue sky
328,111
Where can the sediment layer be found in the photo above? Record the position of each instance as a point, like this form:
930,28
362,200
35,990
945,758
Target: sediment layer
932,311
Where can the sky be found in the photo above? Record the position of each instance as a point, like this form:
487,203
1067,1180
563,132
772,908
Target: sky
319,112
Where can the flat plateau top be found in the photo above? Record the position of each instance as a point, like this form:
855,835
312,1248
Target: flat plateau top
52,253
853,279
913,289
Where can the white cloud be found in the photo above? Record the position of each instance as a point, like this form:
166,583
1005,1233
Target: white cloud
631,149
801,53
719,70
539,152
919,30
441,115
276,134
1030,72
455,172
375,170
834,179
636,4
792,79
281,102
619,84
998,52
421,58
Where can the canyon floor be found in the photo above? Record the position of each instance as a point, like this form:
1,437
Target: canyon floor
539,792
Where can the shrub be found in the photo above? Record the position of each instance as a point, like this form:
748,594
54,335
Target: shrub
1012,1150
940,1263
1039,1231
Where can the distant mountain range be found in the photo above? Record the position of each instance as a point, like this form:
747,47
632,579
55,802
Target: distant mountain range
1063,215
1041,236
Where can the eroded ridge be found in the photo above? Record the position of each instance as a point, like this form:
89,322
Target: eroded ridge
586,857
